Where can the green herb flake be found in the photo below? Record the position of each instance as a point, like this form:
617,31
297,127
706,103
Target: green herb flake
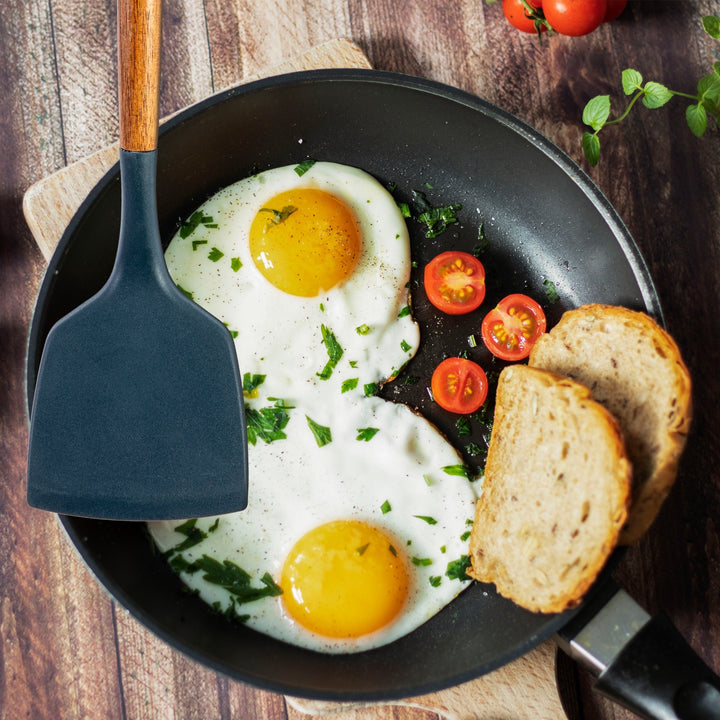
392,550
362,329
349,384
371,389
302,167
185,292
251,382
268,423
189,226
197,243
366,434
235,264
465,536
427,518
361,550
551,292
235,580
405,210
214,255
421,562
322,434
436,219
193,535
435,580
459,470
457,569
405,346
462,425
214,526
280,216
334,351
404,312
385,507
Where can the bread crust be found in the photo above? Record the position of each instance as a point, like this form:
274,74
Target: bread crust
634,368
550,512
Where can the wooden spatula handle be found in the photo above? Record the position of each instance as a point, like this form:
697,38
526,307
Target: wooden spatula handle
139,31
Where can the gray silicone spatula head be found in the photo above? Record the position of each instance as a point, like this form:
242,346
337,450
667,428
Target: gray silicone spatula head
138,411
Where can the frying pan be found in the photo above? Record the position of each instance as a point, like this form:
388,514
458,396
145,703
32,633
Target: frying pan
416,135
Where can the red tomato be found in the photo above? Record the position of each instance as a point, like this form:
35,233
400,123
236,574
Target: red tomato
511,328
614,8
459,385
455,282
574,17
517,16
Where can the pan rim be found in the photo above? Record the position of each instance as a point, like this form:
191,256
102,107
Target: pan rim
599,201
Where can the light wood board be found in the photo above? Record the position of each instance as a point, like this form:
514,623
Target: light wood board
522,690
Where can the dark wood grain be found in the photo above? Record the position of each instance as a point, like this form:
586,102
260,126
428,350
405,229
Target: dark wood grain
67,650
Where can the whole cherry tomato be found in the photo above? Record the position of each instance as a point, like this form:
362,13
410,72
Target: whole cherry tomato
517,16
614,8
574,17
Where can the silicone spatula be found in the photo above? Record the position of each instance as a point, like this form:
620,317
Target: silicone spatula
138,411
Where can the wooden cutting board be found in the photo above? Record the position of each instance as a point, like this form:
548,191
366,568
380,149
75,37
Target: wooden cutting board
523,690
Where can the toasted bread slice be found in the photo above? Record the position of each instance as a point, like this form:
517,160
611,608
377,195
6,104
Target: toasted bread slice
633,368
555,493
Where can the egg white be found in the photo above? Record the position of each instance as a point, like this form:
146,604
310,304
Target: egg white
403,475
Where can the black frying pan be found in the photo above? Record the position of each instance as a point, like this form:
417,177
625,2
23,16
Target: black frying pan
412,133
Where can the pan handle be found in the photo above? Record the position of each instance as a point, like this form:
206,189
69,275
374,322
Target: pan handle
642,662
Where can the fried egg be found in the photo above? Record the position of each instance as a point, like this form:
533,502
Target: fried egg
358,518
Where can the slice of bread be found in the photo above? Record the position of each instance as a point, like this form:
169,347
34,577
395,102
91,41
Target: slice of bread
555,492
633,368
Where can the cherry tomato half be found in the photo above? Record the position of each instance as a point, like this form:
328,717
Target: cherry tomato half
511,328
455,282
459,385
574,17
517,16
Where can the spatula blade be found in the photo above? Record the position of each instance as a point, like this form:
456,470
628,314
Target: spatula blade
140,423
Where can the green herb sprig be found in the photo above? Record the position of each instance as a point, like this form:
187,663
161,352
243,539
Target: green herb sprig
653,95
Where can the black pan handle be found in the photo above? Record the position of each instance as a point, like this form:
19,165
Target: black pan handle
642,662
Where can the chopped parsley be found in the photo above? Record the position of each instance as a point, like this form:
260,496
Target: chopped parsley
251,382
235,264
483,242
551,292
279,216
193,536
386,507
465,536
404,311
462,425
367,433
405,346
304,166
214,255
435,580
436,219
334,351
459,470
349,384
362,329
234,579
421,562
185,292
194,221
392,550
371,389
322,434
197,243
268,423
457,569
361,550
427,518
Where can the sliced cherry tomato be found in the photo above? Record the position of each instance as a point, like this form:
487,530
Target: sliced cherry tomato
614,8
455,282
511,328
517,16
459,385
574,17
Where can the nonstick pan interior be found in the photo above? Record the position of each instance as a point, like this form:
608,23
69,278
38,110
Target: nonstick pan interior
546,225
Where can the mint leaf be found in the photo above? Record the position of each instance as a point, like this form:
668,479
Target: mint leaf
597,111
696,117
709,88
591,147
711,24
631,81
656,95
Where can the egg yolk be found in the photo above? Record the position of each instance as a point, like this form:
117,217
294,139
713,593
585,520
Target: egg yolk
305,241
344,579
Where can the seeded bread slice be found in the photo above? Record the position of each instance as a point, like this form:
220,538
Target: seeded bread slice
555,492
633,368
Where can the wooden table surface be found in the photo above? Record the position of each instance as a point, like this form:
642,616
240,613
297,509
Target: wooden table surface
66,650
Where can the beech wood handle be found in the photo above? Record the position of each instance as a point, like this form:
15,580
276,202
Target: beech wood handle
139,32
